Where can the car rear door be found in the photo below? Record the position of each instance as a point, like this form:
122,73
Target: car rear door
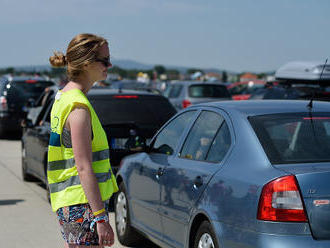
37,140
186,176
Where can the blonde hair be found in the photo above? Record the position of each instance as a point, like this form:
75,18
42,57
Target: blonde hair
82,50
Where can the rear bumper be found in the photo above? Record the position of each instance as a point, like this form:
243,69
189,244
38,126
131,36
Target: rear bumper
231,237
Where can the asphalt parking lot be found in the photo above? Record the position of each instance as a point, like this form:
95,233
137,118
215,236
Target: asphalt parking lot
26,217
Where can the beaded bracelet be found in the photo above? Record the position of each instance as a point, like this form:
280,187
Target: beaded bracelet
99,212
99,219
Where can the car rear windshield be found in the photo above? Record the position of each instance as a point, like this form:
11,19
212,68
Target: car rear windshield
206,90
146,112
31,88
294,137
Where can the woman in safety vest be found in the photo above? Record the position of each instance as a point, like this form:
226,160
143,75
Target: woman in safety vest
79,174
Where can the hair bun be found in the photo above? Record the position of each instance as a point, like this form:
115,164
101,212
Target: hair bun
58,59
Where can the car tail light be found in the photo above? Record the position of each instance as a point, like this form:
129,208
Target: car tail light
3,102
127,97
280,201
186,103
31,81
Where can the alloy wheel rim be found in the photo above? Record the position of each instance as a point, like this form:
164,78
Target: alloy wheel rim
23,152
205,241
121,213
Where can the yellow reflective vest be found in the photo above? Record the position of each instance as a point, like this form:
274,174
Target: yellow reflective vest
63,180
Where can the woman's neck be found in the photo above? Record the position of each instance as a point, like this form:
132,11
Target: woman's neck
84,86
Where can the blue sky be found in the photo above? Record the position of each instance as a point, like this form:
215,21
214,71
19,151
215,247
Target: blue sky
235,35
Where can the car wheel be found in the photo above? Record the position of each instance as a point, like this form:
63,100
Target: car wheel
26,176
205,237
125,232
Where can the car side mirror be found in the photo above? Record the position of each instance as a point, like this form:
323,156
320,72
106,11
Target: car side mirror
27,123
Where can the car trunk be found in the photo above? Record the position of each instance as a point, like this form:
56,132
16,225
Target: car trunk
313,180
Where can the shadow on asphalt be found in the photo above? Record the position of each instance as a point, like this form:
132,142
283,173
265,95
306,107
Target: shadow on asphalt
10,202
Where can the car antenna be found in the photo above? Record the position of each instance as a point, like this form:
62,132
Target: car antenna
310,104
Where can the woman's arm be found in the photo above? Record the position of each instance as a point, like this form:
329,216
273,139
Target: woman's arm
79,123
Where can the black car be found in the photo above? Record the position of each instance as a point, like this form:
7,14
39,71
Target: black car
291,92
15,93
119,113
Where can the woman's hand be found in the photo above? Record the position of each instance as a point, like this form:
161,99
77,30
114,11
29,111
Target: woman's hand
105,233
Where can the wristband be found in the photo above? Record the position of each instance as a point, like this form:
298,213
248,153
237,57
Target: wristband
99,212
99,219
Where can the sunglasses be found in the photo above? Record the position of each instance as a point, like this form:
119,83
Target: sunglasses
105,61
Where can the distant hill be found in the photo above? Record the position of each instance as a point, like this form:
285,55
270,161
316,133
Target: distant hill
127,64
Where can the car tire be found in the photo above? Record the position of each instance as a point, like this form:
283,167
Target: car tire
26,176
2,131
126,234
205,236
47,192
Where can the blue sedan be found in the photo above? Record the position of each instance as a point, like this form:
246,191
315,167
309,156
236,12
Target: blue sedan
231,174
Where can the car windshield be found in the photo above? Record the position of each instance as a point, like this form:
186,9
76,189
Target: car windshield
208,90
294,137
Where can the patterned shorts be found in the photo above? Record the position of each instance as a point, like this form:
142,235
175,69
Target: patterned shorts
75,221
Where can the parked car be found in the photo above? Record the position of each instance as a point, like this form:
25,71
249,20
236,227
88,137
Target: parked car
243,90
17,93
184,94
231,174
119,113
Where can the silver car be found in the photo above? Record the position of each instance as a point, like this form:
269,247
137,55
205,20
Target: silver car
186,93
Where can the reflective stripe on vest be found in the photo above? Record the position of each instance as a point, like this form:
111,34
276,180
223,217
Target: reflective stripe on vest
69,163
74,180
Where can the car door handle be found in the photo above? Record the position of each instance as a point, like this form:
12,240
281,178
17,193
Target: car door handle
160,172
198,182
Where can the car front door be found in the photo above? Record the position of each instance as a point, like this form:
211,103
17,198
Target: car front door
143,183
187,174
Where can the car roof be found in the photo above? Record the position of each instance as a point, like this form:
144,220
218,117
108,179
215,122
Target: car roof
262,107
24,78
197,82
108,91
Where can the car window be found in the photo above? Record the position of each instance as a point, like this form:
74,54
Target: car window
168,138
294,137
173,91
207,90
220,144
201,136
2,86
